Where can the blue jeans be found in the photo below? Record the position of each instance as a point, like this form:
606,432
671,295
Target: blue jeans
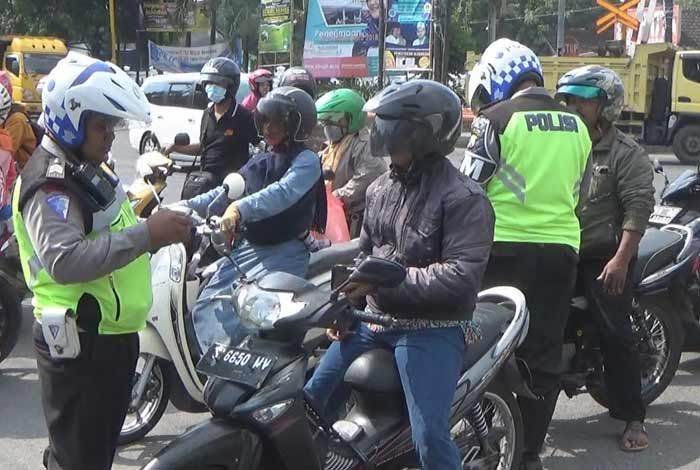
429,363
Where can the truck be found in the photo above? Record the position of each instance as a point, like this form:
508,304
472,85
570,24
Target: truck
27,59
662,93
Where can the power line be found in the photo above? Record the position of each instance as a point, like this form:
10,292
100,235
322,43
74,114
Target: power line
544,15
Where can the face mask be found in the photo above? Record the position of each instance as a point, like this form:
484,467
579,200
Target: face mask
215,93
333,133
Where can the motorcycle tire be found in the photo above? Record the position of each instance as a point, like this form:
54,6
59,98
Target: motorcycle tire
10,318
159,384
660,309
498,398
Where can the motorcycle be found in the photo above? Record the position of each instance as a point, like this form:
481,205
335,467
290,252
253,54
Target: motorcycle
262,419
680,204
666,257
169,350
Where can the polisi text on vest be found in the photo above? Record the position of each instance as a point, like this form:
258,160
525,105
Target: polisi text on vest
551,122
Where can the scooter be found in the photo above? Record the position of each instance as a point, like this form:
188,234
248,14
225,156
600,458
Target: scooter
154,168
169,350
680,204
262,419
666,258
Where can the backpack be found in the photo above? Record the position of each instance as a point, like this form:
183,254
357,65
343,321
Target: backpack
37,130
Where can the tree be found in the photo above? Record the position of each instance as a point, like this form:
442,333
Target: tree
73,20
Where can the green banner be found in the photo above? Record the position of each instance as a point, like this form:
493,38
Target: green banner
276,26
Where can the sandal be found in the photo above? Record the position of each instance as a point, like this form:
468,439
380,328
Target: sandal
634,438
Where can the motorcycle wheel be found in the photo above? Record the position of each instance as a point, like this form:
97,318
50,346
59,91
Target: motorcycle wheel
10,318
506,432
666,341
149,143
139,422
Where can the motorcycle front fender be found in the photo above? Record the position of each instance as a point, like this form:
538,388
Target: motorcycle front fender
215,443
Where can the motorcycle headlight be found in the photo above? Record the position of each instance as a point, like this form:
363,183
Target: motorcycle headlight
27,95
261,309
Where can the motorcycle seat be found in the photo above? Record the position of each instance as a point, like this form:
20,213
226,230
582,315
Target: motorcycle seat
375,370
657,249
323,260
490,320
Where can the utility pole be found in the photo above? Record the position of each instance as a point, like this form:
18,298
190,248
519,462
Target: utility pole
381,38
113,30
493,19
212,16
561,14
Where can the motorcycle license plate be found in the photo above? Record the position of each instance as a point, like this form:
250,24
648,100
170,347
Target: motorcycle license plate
237,365
664,214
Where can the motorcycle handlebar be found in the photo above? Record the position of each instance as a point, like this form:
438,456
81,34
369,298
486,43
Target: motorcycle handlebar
376,318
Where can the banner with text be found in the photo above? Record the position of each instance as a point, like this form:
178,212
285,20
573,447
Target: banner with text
276,26
184,59
342,36
164,16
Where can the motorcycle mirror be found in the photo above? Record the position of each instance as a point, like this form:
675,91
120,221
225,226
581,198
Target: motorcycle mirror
657,166
183,138
234,185
379,271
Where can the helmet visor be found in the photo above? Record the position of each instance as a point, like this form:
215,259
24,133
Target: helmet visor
391,136
274,116
330,117
587,92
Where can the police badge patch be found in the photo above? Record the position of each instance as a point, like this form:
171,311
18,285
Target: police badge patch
59,202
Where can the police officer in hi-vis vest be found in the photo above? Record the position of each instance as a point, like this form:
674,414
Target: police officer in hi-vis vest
530,154
84,256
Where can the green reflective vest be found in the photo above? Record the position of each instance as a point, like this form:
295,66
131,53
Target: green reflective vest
124,296
543,154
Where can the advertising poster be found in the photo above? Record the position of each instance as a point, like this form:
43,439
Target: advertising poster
342,36
276,26
161,16
408,29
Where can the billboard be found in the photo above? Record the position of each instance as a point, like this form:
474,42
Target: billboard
408,34
183,59
276,26
161,16
342,36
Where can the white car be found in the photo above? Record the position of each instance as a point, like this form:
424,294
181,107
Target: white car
177,103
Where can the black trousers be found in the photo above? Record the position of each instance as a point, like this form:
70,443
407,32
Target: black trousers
85,399
611,314
546,274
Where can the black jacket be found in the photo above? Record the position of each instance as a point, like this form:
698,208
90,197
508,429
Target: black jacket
439,224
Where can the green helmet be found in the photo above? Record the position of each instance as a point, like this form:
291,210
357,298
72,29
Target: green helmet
340,103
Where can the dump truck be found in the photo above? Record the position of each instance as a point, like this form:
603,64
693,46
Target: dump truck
662,93
27,59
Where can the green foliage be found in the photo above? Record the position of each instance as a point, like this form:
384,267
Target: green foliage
72,20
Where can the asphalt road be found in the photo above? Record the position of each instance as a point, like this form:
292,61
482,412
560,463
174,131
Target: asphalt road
582,436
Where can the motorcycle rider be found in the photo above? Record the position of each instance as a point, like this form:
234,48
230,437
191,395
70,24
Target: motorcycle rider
84,253
530,154
439,224
260,82
18,126
299,77
285,199
347,160
613,216
226,133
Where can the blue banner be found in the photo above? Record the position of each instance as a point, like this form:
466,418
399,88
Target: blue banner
184,59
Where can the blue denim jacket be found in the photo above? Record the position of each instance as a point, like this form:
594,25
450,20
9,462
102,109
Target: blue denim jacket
271,200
